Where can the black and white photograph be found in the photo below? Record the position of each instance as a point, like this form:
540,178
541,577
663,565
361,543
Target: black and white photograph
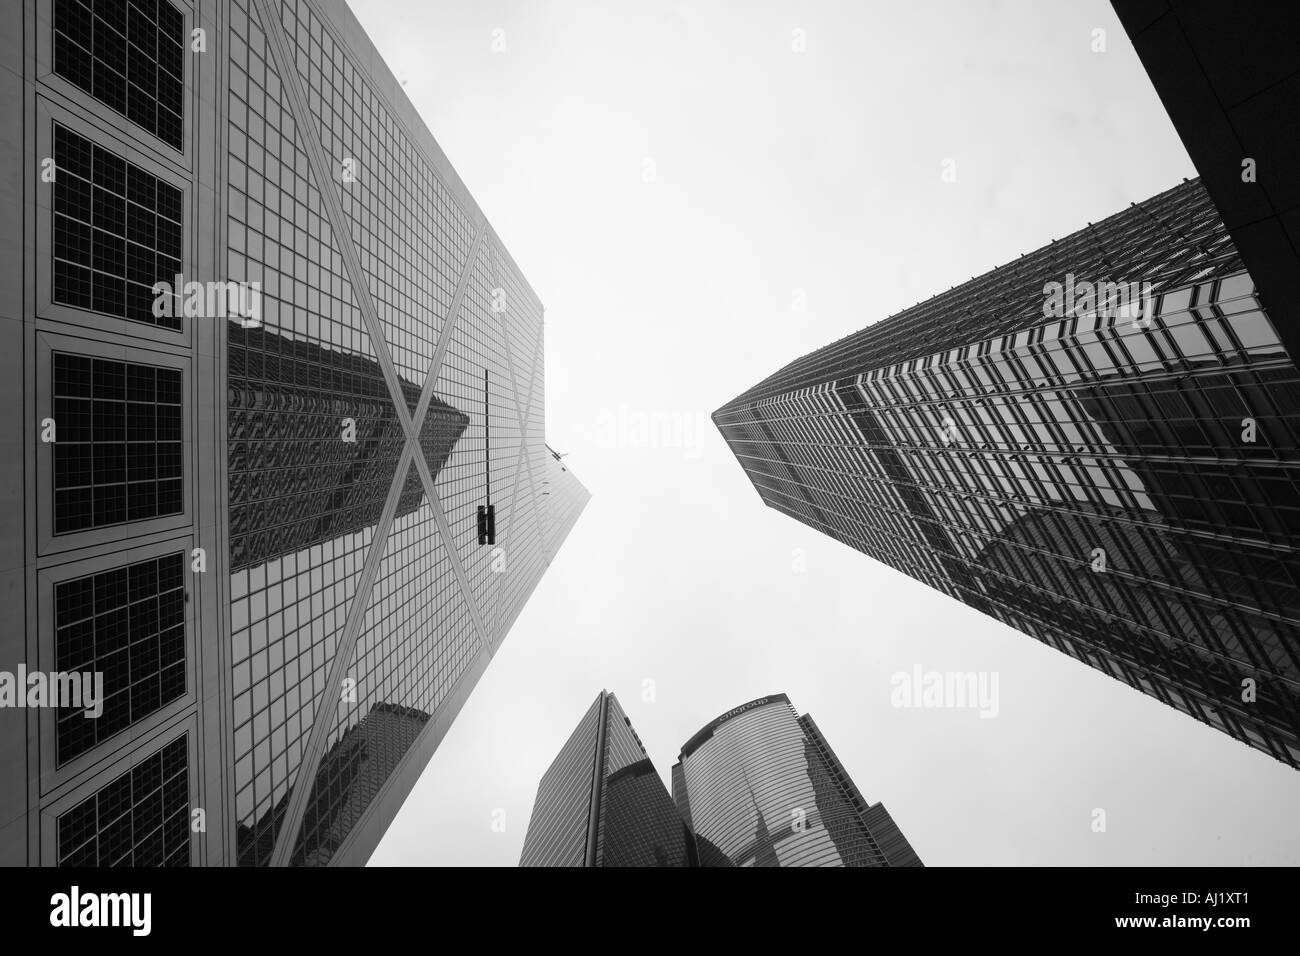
533,434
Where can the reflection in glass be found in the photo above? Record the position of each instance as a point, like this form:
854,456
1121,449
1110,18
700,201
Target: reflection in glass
762,787
620,816
1154,535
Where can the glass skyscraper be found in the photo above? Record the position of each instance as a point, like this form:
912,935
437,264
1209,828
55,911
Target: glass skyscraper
259,524
601,802
760,786
1095,443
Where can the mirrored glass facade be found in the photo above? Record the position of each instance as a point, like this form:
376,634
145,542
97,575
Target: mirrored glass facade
602,803
363,606
251,499
760,786
1118,480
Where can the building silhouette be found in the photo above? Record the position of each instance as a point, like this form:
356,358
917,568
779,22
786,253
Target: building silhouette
1117,477
1228,81
252,509
602,804
760,786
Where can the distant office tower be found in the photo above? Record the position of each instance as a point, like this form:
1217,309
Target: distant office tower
1111,469
601,803
250,498
760,786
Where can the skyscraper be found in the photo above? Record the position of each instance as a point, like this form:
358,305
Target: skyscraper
249,498
1095,443
601,802
760,786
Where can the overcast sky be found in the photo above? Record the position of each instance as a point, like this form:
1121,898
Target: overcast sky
671,177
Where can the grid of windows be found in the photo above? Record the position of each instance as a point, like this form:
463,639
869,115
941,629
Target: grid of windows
294,480
638,823
142,818
478,344
351,773
975,501
127,624
411,234
416,640
522,465
305,505
118,454
1171,240
286,619
129,55
311,366
406,224
763,791
557,829
563,498
997,471
117,232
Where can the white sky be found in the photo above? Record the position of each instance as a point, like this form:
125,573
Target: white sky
778,171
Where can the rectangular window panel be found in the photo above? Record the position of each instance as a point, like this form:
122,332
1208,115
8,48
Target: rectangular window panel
127,624
117,231
140,819
129,55
119,438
